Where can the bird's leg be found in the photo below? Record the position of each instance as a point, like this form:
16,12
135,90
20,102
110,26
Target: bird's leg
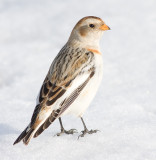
85,131
71,131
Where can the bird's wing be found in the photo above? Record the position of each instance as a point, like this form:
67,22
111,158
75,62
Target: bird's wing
66,67
69,100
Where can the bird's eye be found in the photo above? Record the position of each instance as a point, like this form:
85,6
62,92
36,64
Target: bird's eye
91,25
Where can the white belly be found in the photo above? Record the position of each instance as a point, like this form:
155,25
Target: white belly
82,102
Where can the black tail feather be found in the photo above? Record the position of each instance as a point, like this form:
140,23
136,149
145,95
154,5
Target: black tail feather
25,136
28,136
21,136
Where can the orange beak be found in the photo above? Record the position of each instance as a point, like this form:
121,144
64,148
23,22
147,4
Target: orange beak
104,27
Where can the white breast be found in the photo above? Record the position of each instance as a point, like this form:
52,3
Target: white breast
82,102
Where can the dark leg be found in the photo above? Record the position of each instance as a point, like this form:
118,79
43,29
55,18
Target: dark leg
71,131
85,131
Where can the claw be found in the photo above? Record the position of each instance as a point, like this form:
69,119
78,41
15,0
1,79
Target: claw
71,131
87,131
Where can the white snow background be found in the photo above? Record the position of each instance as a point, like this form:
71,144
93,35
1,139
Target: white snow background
31,34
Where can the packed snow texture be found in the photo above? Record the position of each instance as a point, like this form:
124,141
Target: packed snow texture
124,110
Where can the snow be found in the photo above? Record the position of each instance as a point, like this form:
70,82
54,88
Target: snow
124,110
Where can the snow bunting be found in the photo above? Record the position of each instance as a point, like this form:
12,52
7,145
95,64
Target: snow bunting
72,80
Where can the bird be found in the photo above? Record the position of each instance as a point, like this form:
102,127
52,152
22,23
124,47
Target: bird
71,82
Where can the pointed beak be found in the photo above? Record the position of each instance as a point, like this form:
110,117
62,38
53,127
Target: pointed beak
104,27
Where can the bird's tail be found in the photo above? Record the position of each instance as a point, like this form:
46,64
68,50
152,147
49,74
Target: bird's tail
26,135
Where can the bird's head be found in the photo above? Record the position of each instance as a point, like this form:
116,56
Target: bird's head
88,31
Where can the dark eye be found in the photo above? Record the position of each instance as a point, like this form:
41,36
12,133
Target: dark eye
91,25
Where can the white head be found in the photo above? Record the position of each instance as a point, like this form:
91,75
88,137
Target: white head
88,31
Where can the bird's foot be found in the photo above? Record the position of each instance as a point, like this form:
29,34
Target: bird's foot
84,132
71,131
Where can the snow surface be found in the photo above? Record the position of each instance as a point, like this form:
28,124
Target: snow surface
31,34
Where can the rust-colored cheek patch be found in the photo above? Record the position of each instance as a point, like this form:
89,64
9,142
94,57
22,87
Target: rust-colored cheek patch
83,32
94,51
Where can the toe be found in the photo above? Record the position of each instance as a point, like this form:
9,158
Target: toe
71,131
